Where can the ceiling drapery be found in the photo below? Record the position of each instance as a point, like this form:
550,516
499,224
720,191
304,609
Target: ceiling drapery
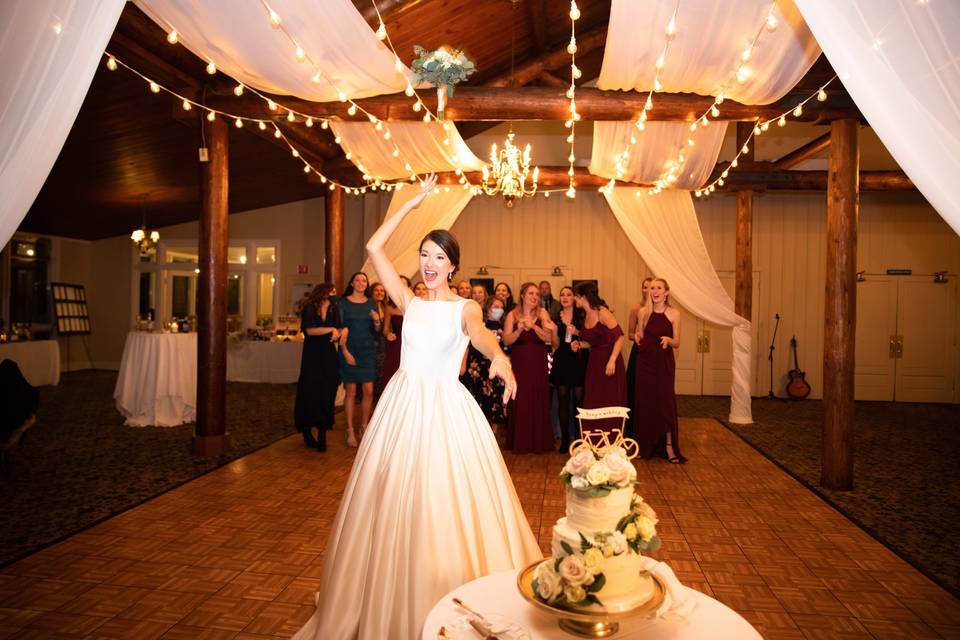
339,47
898,60
420,145
662,143
50,51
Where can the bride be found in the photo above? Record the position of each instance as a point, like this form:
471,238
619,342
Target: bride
429,504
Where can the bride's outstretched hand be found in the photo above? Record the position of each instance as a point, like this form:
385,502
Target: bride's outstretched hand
426,186
500,368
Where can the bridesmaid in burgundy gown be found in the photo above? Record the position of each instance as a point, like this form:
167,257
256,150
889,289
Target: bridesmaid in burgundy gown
655,403
392,330
605,384
529,331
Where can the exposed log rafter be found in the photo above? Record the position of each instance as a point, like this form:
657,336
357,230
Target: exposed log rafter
800,154
531,69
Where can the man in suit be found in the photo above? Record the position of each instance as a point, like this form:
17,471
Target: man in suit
547,301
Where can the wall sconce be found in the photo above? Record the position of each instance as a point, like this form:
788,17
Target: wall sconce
860,276
940,277
482,271
557,272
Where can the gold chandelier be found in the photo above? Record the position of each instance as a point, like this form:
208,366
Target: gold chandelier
144,241
510,172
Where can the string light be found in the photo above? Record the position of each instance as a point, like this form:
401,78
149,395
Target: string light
211,68
112,63
173,37
574,117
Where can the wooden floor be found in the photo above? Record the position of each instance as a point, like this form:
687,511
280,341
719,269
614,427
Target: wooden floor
236,554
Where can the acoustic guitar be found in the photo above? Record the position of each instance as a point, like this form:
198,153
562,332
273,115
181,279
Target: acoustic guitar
797,388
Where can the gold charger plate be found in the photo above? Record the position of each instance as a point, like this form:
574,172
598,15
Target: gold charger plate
585,623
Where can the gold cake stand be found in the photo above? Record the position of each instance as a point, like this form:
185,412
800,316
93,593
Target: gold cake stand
586,623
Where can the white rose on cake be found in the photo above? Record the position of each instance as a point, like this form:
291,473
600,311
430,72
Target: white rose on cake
598,474
621,469
548,581
579,482
580,463
618,541
573,571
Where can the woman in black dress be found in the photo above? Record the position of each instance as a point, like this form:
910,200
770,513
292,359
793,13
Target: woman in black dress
568,367
319,367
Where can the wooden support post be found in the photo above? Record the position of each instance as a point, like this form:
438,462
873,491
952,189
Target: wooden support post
211,437
840,311
333,249
743,300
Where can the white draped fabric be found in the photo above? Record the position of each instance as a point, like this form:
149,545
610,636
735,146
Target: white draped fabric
439,211
239,38
661,143
664,230
420,144
703,56
900,62
50,51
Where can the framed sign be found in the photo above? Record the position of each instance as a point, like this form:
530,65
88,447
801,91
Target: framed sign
70,309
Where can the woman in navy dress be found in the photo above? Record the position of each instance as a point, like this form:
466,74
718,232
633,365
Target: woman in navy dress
319,369
530,332
605,383
655,403
361,322
569,368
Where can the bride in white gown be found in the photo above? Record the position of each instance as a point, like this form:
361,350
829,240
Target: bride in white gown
429,504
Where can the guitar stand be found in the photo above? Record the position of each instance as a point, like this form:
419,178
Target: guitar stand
773,340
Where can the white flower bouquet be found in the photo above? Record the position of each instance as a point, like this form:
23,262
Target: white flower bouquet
598,474
442,68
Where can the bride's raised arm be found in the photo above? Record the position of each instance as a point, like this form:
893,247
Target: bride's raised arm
378,258
486,343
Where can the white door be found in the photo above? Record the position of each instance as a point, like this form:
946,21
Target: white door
875,368
689,377
927,350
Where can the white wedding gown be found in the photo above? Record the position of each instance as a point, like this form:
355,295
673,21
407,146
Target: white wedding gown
429,504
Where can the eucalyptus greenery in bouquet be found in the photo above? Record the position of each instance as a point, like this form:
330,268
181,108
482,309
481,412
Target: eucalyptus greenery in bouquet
443,69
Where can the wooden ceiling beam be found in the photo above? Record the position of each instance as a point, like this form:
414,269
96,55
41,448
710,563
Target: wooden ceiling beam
387,9
551,80
531,69
537,17
539,103
800,154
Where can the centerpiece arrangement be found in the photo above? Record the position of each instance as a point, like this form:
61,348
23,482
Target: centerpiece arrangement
444,69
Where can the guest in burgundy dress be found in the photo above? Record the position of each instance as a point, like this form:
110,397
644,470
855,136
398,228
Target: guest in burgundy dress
605,384
530,333
655,404
392,331
632,358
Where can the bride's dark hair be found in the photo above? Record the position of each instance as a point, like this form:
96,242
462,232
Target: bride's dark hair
448,244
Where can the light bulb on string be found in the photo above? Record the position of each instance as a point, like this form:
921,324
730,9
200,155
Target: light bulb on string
274,19
154,87
296,154
301,56
239,123
262,125
781,121
382,32
574,11
309,122
211,68
276,133
672,27
211,116
271,105
714,111
798,111
112,63
352,110
417,106
317,77
173,37
306,168
771,22
238,90
409,90
821,95
324,125
186,105
290,116
572,47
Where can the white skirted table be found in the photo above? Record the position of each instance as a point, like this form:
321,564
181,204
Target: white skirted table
497,595
262,361
157,383
39,360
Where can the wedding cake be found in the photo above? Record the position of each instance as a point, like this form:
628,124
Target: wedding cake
596,562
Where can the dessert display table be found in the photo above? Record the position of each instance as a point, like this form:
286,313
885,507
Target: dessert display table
157,383
39,360
497,594
262,361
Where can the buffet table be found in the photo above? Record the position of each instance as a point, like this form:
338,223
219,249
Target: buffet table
39,360
264,361
497,595
157,383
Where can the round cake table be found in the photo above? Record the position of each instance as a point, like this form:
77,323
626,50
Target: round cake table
498,594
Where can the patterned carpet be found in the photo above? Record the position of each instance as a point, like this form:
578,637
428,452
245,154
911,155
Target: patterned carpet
80,465
906,477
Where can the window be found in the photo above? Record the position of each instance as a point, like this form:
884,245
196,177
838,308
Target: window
29,263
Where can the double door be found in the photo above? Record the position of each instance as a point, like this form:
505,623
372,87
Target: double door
906,346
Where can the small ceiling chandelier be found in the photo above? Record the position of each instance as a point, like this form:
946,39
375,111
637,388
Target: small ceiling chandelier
510,169
144,241
510,173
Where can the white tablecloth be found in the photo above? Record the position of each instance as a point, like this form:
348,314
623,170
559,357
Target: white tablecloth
498,594
259,361
157,383
39,360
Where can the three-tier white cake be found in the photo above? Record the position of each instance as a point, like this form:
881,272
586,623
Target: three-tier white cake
596,561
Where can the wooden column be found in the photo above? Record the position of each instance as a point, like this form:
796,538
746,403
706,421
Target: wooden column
743,298
840,321
211,436
333,249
